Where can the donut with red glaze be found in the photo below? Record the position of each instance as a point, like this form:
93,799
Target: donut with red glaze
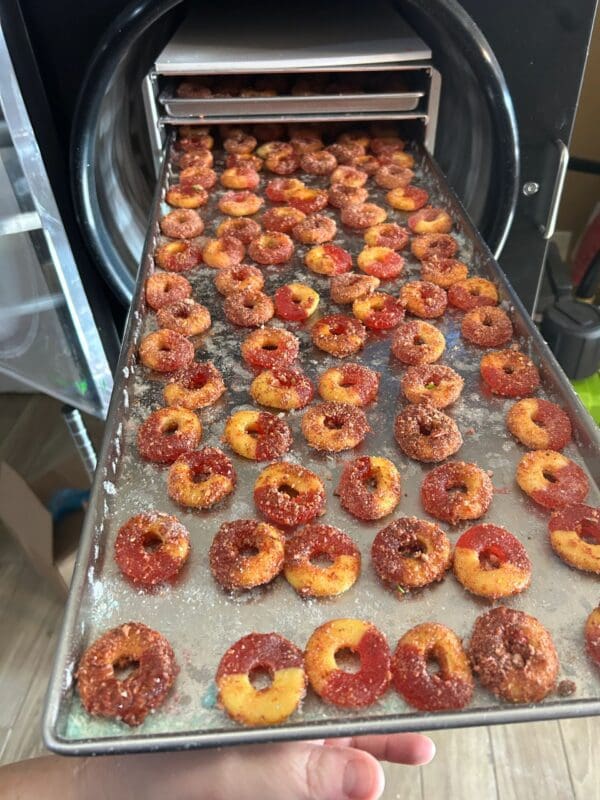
257,435
232,567
509,373
186,196
282,387
163,288
487,326
575,536
369,487
456,491
178,256
407,198
307,200
165,351
430,220
328,259
378,311
349,286
338,335
288,494
282,219
539,424
167,433
295,302
201,479
551,479
152,548
269,347
472,293
424,300
197,386
387,234
311,579
349,383
381,262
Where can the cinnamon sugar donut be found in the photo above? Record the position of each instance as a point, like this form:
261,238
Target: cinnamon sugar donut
551,479
165,351
201,479
369,487
328,259
368,163
240,204
509,373
434,245
338,335
363,215
288,494
426,434
282,164
443,271
346,175
278,189
231,565
244,160
490,562
183,223
349,287
349,383
456,491
274,148
197,175
186,196
239,278
239,142
410,553
387,234
393,176
200,157
295,302
487,326
306,199
257,435
513,655
539,424
333,426
592,636
240,177
575,536
471,293
340,195
435,384
198,386
271,248
248,309
282,219
407,198
346,152
240,228
152,548
417,342
424,300
318,163
282,387
164,288
185,317
311,579
430,220
381,262
315,229
178,256
378,311
223,252
167,433
268,347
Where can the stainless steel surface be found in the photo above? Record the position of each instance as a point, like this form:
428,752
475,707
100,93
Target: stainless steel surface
433,107
155,132
561,173
316,117
201,621
81,439
20,223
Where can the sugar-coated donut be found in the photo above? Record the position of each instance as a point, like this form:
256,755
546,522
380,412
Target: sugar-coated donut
424,300
183,223
487,326
144,689
240,177
393,176
184,316
345,152
274,148
369,487
513,655
257,435
332,426
348,287
387,234
592,636
337,686
288,494
436,384
315,229
328,259
295,302
427,434
282,387
165,351
340,195
338,335
407,198
347,175
199,157
240,204
198,386
363,215
349,383
539,424
447,689
178,256
164,288
248,309
410,553
575,536
282,219
239,278
311,579
509,373
282,163
456,491
201,478
381,262
319,162
224,252
551,479
244,160
271,248
307,200
269,706
443,272
231,564
490,562
430,220
368,163
417,342
151,548
187,196
278,189
167,433
378,311
240,228
239,142
197,175
426,246
471,293
269,347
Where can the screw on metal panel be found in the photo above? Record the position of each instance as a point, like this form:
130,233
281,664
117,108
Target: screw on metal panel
530,188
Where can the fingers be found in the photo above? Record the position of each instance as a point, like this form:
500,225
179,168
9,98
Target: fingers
399,748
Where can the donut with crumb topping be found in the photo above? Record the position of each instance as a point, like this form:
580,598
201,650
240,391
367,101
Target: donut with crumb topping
257,435
239,278
349,287
198,386
239,142
387,234
163,288
282,163
456,491
340,195
592,636
282,387
311,579
240,228
487,326
369,487
184,316
167,433
426,434
360,216
201,479
279,189
186,196
200,157
307,199
349,383
435,384
183,223
178,256
393,176
381,262
197,175
269,347
295,302
288,494
240,177
426,246
471,293
248,309
223,252
424,300
333,427
240,204
345,152
165,351
509,373
490,562
315,229
152,548
282,219
575,536
551,479
328,259
539,424
417,342
319,162
233,567
443,271
430,220
347,175
339,335
378,311
271,248
407,198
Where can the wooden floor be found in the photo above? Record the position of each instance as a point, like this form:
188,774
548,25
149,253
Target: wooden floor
549,761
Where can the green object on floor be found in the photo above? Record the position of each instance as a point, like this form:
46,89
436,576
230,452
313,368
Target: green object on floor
588,390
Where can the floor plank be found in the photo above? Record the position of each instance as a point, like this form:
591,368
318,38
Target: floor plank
581,739
449,776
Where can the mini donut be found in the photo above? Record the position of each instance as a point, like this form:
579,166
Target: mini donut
551,479
448,689
434,384
201,157
268,347
410,553
152,548
355,137
248,309
592,636
490,562
164,288
472,293
399,158
349,383
271,248
337,686
443,271
165,351
315,229
509,373
201,478
306,141
223,252
417,342
393,176
333,427
338,335
194,138
348,287
363,215
307,200
378,311
278,189
197,175
539,424
230,564
178,256
381,262
257,435
430,220
425,433
426,246
407,198
328,259
273,704
387,234
239,278
487,326
315,580
239,142
186,196
369,487
244,160
288,494
575,536
513,655
282,164
240,228
184,316
340,195
319,162
346,152
274,148
183,223
282,387
367,163
282,219
295,302
167,433
347,175
424,300
240,204
381,145
456,491
198,386
145,688
240,177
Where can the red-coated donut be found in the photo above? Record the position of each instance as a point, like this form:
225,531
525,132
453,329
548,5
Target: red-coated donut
310,579
407,198
278,189
151,548
271,248
348,287
369,487
248,309
282,387
257,435
332,426
181,196
387,234
592,636
471,293
381,262
269,347
349,383
295,302
164,288
423,299
288,494
539,424
328,259
575,536
318,163
240,228
183,223
233,567
434,245
282,219
427,434
202,478
378,311
200,157
307,200
178,256
167,433
487,326
456,491
509,373
338,335
198,386
165,351
435,384
552,479
315,229
417,342
363,215
198,176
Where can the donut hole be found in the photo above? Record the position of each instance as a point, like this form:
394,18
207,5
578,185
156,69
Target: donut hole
413,549
487,321
269,346
425,428
491,558
169,427
508,369
518,648
248,551
285,488
549,476
433,664
182,312
124,667
333,423
321,560
457,488
261,677
590,531
200,477
152,541
347,660
253,430
249,302
418,340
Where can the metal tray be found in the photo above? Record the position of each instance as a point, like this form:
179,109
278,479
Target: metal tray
201,621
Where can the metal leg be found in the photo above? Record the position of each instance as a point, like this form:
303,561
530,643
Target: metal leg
82,441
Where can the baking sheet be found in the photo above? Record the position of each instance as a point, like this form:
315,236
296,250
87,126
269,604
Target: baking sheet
201,621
